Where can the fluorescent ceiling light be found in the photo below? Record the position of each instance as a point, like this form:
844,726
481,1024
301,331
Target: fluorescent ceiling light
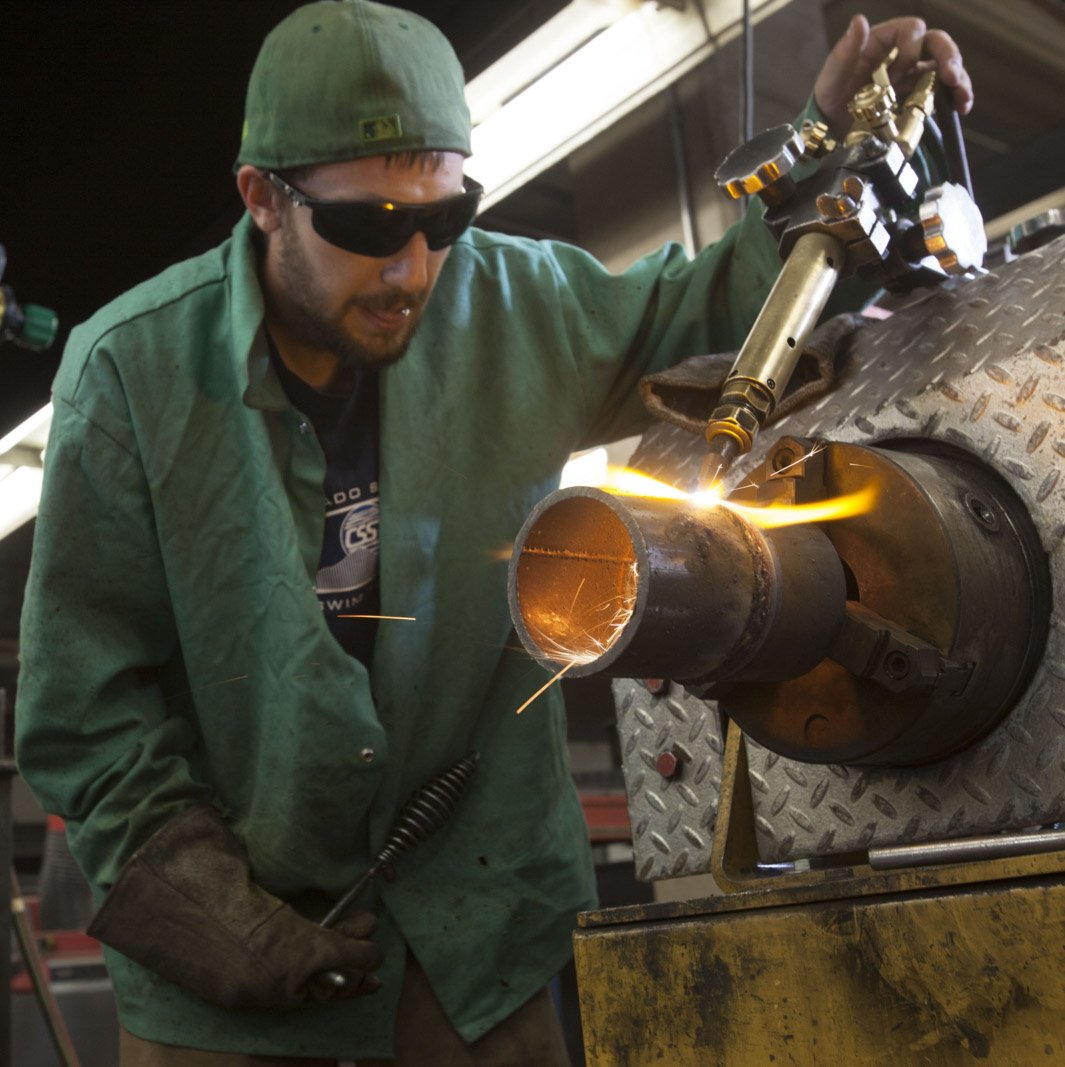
21,453
33,433
20,494
575,25
633,58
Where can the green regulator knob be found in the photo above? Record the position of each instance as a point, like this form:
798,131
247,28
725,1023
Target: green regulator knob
28,325
39,327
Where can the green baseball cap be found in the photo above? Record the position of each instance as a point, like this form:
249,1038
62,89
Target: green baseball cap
343,79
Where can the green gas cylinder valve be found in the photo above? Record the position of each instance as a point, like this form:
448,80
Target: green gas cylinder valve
28,325
39,327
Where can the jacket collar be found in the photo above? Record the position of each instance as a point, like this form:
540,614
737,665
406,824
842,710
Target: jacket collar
248,329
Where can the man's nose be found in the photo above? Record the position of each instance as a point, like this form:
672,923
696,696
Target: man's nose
408,269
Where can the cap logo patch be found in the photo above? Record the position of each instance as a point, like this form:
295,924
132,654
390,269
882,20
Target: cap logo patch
383,128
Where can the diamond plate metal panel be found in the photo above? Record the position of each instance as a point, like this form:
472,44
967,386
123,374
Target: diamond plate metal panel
672,819
980,366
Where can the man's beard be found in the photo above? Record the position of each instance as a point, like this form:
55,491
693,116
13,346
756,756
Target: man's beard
312,325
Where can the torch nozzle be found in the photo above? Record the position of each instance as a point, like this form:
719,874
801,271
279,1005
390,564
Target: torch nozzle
723,450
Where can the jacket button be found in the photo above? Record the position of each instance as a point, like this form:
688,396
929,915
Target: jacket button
303,427
367,755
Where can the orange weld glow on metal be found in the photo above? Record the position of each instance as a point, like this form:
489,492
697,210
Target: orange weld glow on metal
543,688
398,618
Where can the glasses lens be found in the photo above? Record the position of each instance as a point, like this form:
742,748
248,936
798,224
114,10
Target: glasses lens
380,230
365,229
445,226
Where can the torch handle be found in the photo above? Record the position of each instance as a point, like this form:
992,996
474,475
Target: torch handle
425,813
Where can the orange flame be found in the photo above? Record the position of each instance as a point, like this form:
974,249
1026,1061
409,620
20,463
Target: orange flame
840,507
627,482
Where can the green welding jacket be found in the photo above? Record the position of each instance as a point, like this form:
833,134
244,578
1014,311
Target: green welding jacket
174,651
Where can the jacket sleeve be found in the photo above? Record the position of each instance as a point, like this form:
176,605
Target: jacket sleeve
728,281
94,732
663,309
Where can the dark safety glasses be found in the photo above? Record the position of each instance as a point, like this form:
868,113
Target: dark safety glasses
381,228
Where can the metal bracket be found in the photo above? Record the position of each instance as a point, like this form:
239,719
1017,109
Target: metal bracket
873,647
736,869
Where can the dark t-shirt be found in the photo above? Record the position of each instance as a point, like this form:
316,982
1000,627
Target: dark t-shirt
345,420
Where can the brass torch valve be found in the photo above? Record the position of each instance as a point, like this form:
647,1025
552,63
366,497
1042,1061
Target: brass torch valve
875,111
849,216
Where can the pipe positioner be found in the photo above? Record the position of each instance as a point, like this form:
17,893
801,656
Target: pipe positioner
894,636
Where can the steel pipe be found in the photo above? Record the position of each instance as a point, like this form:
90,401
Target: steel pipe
640,587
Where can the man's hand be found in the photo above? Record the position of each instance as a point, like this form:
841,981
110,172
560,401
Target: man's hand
184,906
862,49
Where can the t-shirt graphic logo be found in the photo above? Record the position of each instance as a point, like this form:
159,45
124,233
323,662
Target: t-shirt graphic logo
357,539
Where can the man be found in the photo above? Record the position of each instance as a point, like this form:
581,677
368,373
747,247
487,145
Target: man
205,698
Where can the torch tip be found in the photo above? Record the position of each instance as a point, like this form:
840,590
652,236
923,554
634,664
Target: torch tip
723,448
714,471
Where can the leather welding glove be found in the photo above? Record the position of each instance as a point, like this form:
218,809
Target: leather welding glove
184,906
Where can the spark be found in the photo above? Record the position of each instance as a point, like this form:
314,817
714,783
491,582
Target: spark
806,455
459,473
238,678
398,618
575,595
545,686
576,647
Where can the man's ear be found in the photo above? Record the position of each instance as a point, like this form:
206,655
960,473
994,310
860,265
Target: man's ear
260,197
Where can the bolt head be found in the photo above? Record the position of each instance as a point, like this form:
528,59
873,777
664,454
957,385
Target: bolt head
667,764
